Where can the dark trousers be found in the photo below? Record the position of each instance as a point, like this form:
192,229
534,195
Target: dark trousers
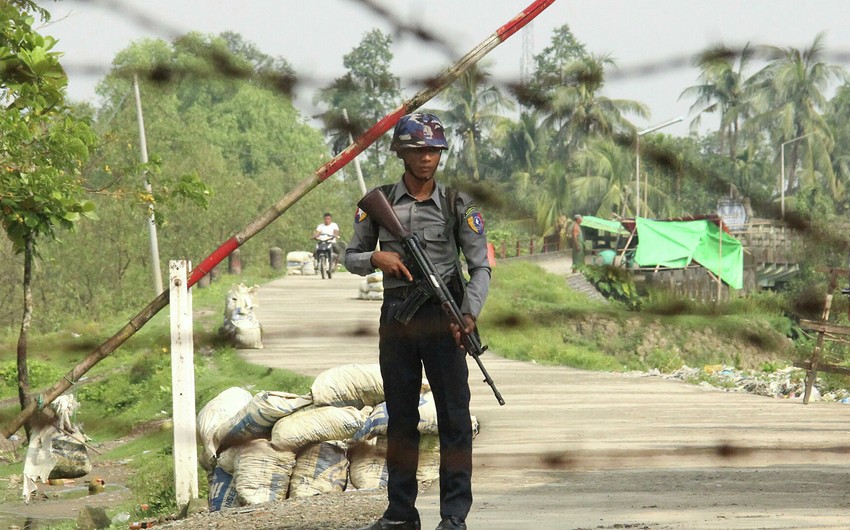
404,350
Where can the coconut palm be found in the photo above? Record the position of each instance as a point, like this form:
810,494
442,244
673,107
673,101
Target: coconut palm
790,97
555,197
723,89
607,169
473,110
839,109
521,145
577,112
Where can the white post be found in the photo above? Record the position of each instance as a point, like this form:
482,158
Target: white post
183,384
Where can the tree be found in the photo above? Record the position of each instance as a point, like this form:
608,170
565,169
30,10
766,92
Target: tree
563,49
368,91
521,148
222,148
577,111
473,111
790,98
43,146
604,187
836,116
723,89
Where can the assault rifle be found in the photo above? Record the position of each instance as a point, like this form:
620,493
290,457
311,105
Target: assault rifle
376,206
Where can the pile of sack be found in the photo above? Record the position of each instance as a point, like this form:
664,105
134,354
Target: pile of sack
276,445
372,287
300,262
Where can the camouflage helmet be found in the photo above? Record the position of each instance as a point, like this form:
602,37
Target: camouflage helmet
418,130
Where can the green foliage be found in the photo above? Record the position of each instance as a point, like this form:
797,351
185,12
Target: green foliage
221,151
130,392
525,317
41,374
367,92
665,360
43,145
614,283
563,49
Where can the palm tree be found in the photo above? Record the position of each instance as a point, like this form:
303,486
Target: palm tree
839,109
555,198
521,145
605,187
723,89
790,98
473,110
577,112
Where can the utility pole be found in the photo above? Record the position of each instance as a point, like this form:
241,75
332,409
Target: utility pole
526,62
782,168
360,180
637,158
143,147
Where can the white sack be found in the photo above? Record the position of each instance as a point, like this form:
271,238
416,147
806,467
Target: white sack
256,419
313,425
213,415
355,385
222,493
262,472
319,468
368,467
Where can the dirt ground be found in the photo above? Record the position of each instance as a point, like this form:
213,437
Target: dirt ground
573,449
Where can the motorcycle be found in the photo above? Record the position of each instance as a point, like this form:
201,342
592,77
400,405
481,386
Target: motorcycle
324,255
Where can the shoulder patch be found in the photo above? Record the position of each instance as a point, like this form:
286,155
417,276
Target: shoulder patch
475,220
359,216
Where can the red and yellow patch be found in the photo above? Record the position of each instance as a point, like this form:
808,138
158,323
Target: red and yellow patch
359,216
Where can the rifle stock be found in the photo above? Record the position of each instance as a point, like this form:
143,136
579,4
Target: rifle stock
376,206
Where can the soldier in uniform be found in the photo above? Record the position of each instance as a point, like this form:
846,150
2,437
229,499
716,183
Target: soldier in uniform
448,222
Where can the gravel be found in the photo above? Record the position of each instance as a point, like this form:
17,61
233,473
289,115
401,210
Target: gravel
333,511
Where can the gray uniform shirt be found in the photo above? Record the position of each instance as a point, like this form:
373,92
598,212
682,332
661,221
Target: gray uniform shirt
426,220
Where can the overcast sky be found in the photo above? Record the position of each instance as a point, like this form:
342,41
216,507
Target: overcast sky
649,40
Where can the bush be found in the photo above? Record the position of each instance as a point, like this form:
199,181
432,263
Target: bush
614,283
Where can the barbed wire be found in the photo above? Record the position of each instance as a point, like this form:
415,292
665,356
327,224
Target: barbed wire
398,27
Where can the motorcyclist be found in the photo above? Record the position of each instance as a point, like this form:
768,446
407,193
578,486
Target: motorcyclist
328,229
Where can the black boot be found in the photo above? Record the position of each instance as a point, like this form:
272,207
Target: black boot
451,523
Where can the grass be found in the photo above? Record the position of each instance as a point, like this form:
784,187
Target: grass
532,315
132,387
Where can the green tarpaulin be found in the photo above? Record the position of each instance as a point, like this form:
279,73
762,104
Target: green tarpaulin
675,244
605,225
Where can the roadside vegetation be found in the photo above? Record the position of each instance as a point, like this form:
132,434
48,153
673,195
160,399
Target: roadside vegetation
534,316
126,399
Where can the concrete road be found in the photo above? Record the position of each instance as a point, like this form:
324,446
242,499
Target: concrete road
577,449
